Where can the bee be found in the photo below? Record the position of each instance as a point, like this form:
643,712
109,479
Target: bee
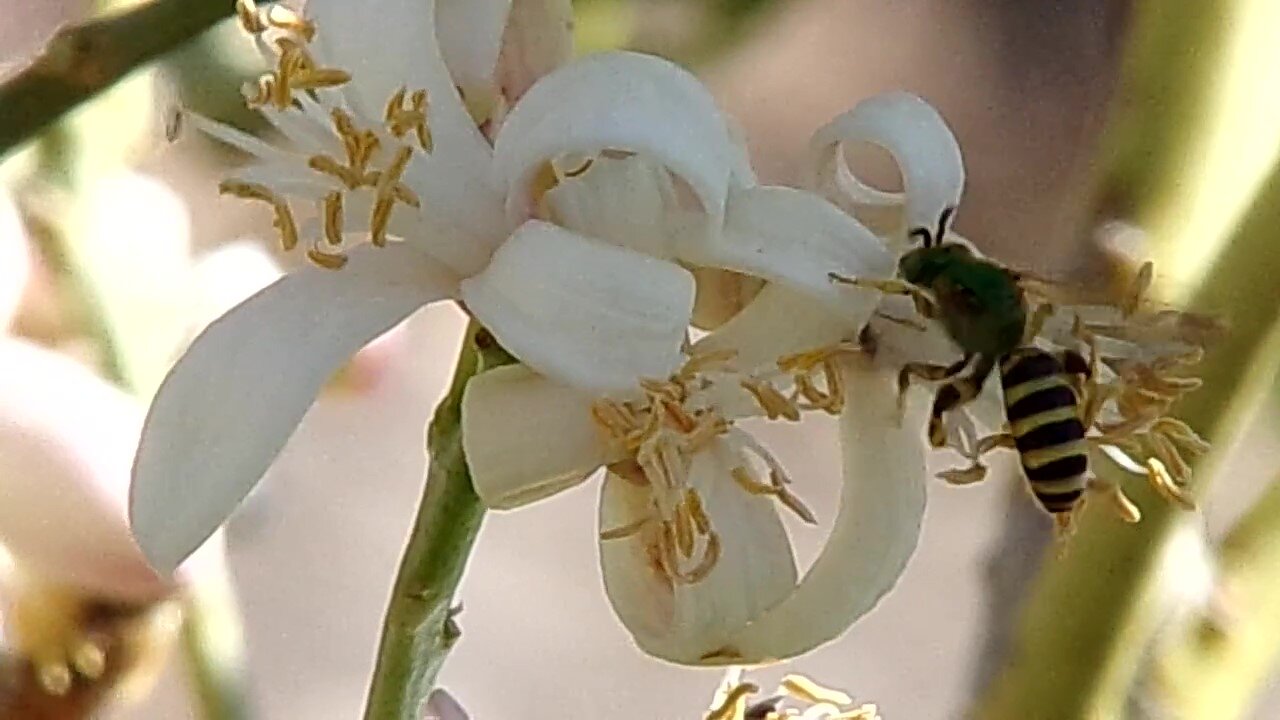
982,306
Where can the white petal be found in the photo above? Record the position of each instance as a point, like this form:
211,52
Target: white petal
687,622
229,275
527,437
230,403
462,221
66,441
539,39
911,130
621,101
795,238
881,508
622,200
781,321
470,33
389,45
593,316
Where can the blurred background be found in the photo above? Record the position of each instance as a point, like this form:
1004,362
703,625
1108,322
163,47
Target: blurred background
1062,129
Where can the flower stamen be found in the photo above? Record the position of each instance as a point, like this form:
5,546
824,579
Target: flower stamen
402,119
284,221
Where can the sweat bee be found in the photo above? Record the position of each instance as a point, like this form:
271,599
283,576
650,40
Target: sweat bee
982,306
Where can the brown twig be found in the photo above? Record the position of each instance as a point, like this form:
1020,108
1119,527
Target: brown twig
82,60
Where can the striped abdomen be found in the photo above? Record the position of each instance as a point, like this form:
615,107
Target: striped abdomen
1044,418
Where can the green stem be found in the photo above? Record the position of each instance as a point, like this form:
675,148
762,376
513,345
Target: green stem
419,630
82,60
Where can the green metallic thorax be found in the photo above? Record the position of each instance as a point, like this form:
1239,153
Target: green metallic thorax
979,302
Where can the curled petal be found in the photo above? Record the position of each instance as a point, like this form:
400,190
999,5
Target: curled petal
622,200
590,315
690,623
389,45
881,508
230,403
527,437
617,101
794,238
927,154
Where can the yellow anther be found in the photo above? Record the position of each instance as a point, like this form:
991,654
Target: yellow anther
333,218
320,78
693,501
282,18
287,227
402,193
55,678
1164,484
328,261
249,17
734,704
683,527
806,690
329,166
964,476
771,400
89,660
380,219
248,191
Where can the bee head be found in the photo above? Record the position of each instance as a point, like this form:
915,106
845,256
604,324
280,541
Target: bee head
923,264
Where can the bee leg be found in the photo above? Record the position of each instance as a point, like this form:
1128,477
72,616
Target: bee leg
976,472
956,393
924,302
927,372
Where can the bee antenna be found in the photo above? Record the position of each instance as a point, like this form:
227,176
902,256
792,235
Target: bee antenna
944,220
924,235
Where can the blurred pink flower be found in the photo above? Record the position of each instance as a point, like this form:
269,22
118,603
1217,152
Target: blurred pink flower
66,446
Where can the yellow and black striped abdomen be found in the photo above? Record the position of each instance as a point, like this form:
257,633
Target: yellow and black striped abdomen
1044,419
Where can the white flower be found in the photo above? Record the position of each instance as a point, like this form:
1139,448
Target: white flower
66,442
562,237
695,558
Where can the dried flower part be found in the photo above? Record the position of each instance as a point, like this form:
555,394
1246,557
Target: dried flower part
795,697
661,430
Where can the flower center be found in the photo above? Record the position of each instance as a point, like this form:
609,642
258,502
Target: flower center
674,419
371,156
